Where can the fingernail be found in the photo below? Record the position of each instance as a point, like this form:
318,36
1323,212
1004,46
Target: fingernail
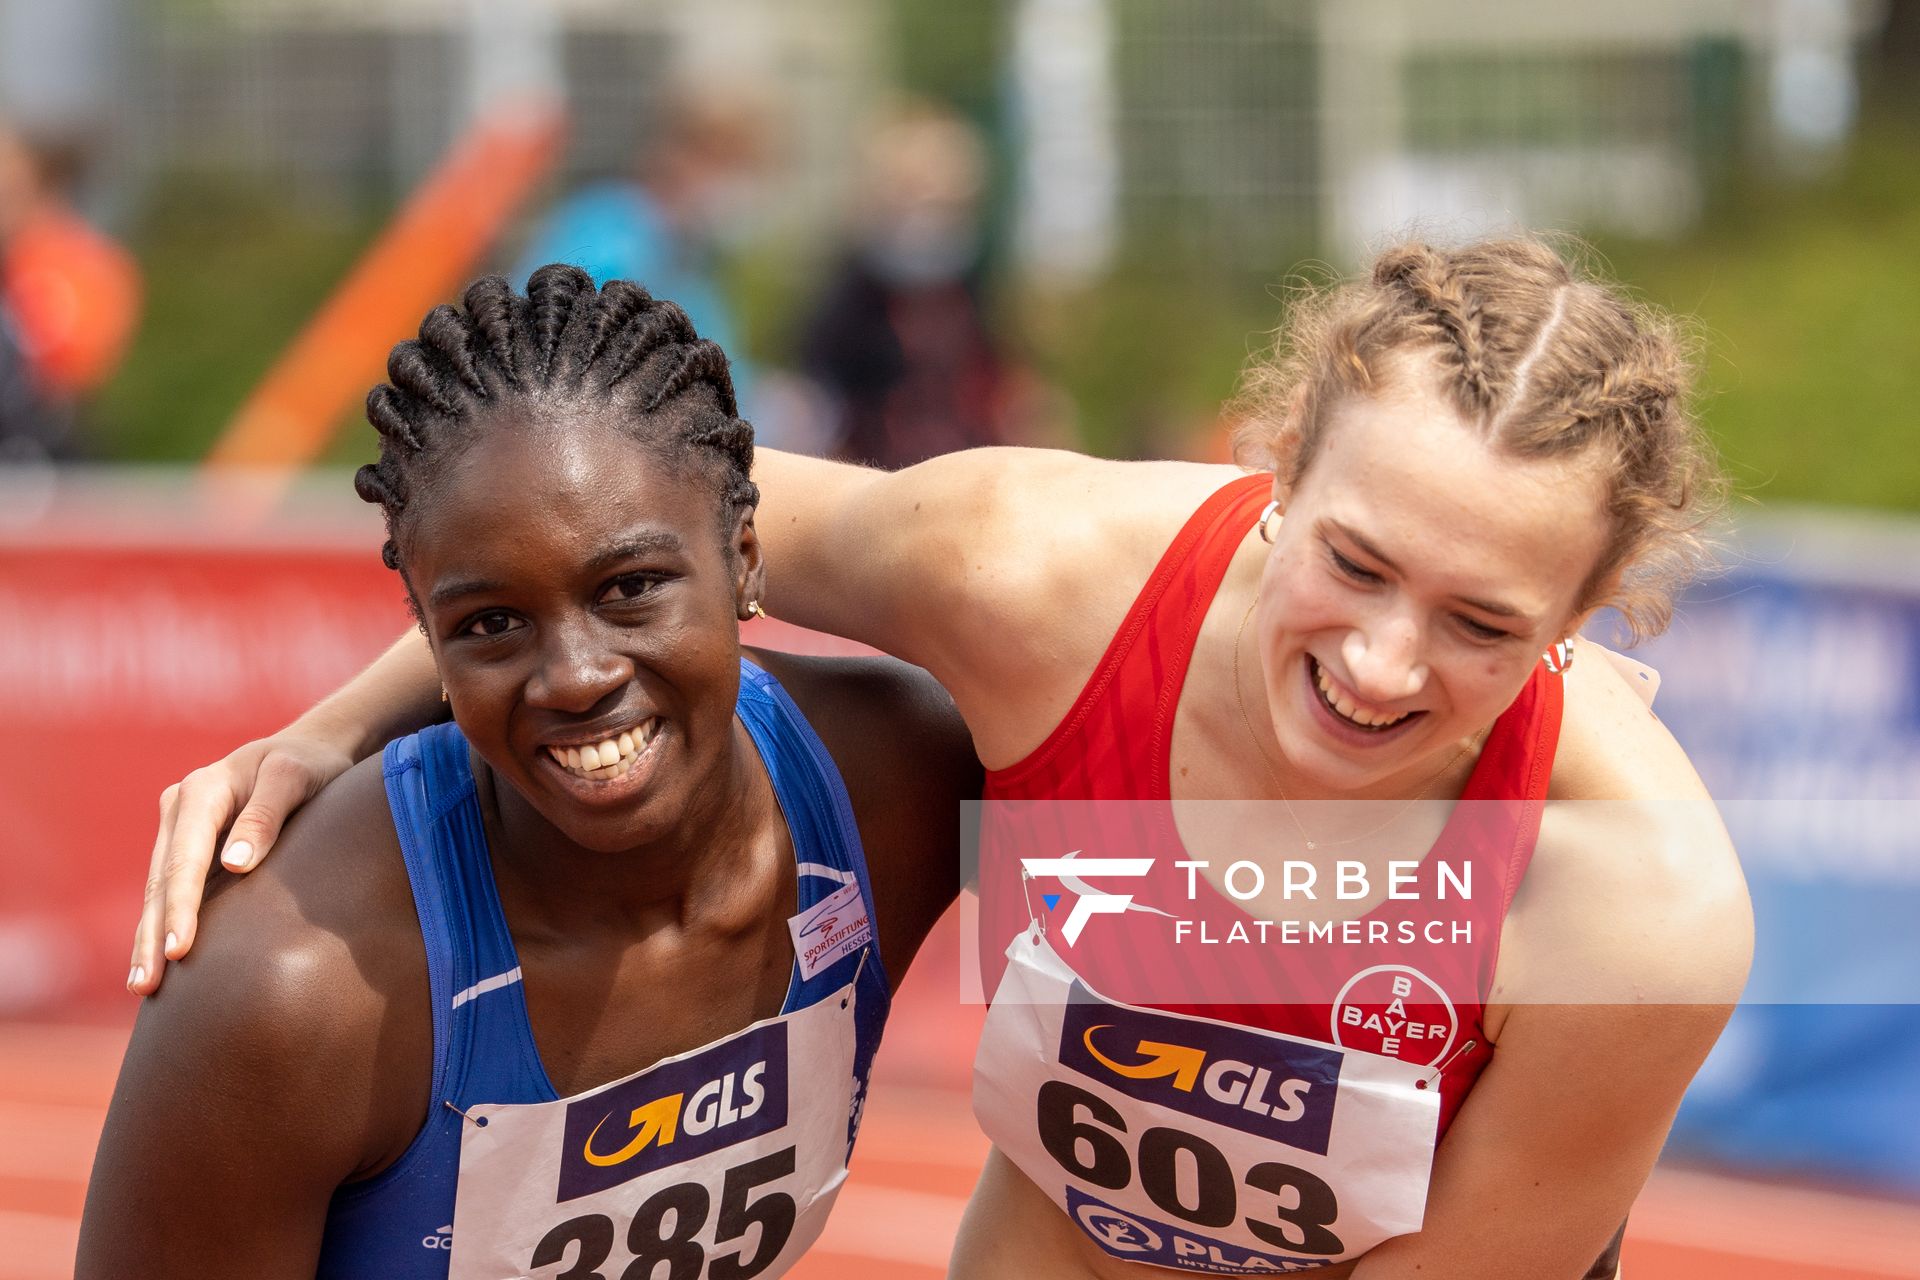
172,940
237,854
138,976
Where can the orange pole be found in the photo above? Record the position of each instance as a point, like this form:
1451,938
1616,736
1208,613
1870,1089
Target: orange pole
424,253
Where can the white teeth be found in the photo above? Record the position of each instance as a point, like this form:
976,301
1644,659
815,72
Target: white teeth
613,758
1365,719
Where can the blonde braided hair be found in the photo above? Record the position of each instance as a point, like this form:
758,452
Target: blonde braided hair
1543,358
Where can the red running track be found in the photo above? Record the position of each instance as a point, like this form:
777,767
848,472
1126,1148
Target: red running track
918,1154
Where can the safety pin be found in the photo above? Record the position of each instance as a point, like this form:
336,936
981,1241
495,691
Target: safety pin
858,969
1436,1072
479,1122
1026,898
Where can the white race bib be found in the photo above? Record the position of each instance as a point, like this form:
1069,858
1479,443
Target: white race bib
1199,1145
722,1163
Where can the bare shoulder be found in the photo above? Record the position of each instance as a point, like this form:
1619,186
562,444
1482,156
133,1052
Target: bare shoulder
877,709
287,1021
1635,893
316,902
1612,742
309,972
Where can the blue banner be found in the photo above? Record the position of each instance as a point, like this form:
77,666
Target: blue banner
1794,684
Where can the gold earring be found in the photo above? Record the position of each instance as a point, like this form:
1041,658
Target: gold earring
1266,514
443,693
754,610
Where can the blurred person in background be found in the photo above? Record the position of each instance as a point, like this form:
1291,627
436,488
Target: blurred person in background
898,340
69,298
692,185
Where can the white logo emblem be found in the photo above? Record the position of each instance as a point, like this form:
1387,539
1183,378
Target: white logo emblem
1087,901
441,1239
1389,1010
1117,1231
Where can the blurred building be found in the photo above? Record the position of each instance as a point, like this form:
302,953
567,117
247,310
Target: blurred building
1250,129
345,97
1241,130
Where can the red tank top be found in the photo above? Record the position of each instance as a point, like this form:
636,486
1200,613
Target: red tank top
1115,743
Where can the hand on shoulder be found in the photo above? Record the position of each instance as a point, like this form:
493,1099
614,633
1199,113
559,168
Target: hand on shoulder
310,973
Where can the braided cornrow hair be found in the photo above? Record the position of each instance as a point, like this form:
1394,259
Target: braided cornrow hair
1543,358
564,343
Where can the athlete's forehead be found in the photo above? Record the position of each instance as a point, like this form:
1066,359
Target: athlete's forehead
1402,478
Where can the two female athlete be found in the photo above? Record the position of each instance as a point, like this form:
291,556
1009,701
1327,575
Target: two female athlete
430,1020
1457,459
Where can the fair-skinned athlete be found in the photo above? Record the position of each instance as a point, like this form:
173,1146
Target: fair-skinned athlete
1469,452
567,498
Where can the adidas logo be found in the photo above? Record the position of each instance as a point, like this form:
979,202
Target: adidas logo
441,1239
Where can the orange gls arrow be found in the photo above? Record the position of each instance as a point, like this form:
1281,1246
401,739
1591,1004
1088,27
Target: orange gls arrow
658,1119
1180,1061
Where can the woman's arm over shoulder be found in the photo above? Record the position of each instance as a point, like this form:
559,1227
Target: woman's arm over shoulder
1612,1005
903,751
249,1089
1003,571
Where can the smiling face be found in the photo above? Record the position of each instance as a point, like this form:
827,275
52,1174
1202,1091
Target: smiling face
578,593
1413,584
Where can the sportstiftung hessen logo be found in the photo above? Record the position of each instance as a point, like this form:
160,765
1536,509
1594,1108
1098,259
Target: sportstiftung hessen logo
674,1113
836,926
1278,1089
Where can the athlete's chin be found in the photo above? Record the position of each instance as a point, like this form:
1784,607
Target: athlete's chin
612,835
1336,762
611,816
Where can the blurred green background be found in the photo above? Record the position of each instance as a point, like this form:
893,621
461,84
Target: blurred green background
1802,276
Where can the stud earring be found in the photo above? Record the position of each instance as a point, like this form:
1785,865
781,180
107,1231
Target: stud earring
754,610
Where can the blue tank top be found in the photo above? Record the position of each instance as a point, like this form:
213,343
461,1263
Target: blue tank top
398,1224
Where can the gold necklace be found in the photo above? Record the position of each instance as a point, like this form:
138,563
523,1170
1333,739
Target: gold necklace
1273,775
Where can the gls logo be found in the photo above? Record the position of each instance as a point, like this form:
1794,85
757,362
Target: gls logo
1272,1086
1088,901
1235,1084
659,1120
676,1112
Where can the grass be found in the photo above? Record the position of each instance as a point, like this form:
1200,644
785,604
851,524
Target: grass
1806,297
233,269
